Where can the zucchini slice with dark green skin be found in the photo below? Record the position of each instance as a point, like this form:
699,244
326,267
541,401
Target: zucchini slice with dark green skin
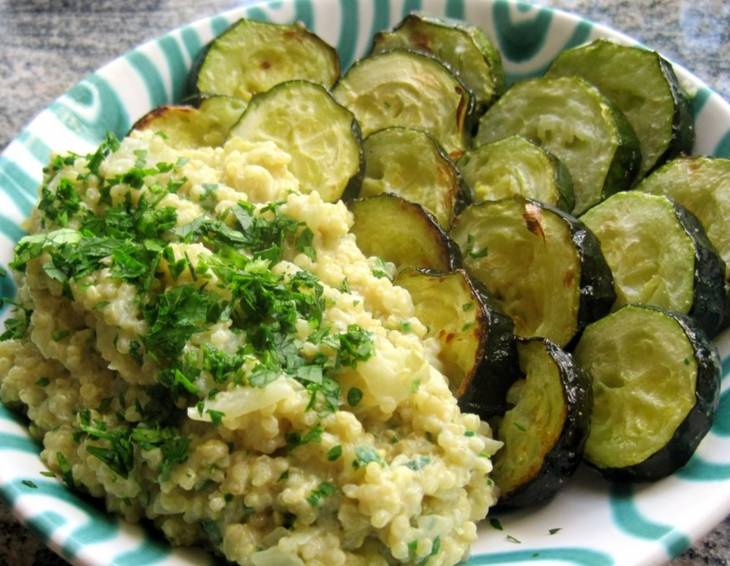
251,57
466,49
409,89
478,352
659,255
190,127
403,233
545,430
573,120
322,137
702,186
642,84
515,166
544,267
411,164
656,387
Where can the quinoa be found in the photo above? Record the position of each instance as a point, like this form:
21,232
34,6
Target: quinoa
201,344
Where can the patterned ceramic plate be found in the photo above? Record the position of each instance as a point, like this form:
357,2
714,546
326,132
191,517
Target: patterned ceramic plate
591,522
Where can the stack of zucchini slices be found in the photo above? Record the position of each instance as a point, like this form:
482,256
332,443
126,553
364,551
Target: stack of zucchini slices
569,259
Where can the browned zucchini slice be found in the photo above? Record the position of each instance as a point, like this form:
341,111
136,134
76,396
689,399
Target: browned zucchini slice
543,266
516,166
466,49
656,387
411,164
402,233
545,431
659,255
190,127
251,57
477,344
414,90
322,137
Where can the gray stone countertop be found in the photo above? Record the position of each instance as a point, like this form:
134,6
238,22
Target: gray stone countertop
48,45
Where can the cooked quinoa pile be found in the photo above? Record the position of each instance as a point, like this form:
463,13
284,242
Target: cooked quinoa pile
200,344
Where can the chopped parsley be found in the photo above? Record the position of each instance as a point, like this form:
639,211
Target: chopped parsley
30,484
418,463
65,468
473,250
108,146
334,453
379,270
16,326
555,530
412,549
512,539
354,396
42,382
58,335
324,490
314,434
116,447
496,524
364,455
435,548
212,530
356,345
175,316
216,417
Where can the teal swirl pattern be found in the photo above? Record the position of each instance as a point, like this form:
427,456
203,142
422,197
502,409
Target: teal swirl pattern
618,530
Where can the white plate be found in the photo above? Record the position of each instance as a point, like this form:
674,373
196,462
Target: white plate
600,524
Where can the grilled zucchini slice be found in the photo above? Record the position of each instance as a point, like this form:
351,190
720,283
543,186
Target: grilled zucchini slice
656,386
544,267
466,49
403,233
322,137
410,163
409,89
190,127
515,166
659,255
702,186
642,84
573,120
545,430
477,352
251,57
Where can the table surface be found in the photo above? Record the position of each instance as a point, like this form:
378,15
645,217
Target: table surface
48,45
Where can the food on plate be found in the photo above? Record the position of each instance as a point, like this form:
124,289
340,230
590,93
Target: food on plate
200,343
409,89
659,255
207,125
402,233
251,57
464,48
642,84
546,429
544,268
574,121
656,386
477,348
249,326
702,186
291,114
515,166
411,164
